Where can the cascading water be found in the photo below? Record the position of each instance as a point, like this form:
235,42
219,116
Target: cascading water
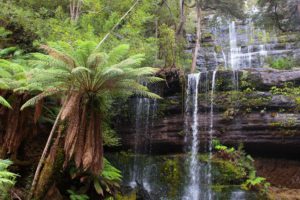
141,104
193,189
234,53
211,129
225,59
234,49
143,122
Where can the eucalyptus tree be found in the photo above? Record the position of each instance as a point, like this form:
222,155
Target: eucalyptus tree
86,78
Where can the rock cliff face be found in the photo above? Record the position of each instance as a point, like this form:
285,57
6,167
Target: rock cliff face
265,123
246,109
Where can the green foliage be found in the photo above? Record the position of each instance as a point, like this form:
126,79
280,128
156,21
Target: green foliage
280,14
256,183
7,179
89,71
288,89
240,165
105,185
172,173
75,196
167,44
281,63
4,33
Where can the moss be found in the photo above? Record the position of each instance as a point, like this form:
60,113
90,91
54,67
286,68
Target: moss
286,126
247,99
229,172
50,173
218,49
172,172
207,44
207,35
131,196
297,101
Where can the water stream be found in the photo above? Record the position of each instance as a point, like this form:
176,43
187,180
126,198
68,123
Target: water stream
211,130
145,112
193,189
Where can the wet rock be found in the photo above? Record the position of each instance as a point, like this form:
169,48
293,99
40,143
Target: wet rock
282,101
266,78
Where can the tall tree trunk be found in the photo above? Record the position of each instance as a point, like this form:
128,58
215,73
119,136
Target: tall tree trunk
198,37
75,9
182,18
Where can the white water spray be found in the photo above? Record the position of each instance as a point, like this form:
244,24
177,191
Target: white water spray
193,190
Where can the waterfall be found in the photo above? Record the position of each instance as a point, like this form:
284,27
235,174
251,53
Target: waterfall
234,49
225,59
143,122
193,189
211,129
240,195
235,52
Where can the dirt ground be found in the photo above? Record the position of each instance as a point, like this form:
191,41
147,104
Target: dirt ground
284,176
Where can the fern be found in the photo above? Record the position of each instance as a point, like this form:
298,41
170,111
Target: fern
109,179
7,179
75,196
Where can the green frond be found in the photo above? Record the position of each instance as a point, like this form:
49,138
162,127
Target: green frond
153,79
5,103
7,51
80,70
38,97
110,172
3,84
118,53
97,59
146,94
4,73
137,89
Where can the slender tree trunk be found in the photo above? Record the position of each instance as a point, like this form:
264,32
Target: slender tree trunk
44,154
198,37
182,18
75,9
51,168
117,24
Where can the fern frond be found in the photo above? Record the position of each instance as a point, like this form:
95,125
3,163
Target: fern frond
5,103
118,53
38,97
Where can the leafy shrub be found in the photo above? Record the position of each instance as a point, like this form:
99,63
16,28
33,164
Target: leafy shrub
256,183
281,63
240,165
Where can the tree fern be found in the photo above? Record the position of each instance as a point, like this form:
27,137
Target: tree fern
83,72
